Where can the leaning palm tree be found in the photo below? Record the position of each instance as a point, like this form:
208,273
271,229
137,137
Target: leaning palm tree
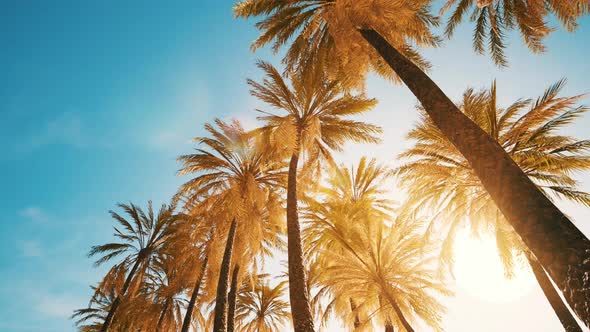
310,123
236,178
261,307
437,176
143,237
493,18
351,37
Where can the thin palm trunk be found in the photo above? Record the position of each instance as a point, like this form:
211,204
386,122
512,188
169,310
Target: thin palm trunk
117,301
300,309
561,310
357,321
233,293
399,313
191,304
162,315
562,249
219,321
388,327
388,324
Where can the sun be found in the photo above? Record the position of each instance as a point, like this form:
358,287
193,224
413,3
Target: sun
478,270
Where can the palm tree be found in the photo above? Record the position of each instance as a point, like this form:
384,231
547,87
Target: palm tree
164,287
261,308
199,271
350,37
437,176
311,124
232,172
142,237
92,318
494,18
346,232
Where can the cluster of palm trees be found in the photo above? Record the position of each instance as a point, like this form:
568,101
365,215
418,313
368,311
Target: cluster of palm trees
352,254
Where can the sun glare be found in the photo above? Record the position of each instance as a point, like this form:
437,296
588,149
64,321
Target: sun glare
478,270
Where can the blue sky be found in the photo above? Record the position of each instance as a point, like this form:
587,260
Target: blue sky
98,98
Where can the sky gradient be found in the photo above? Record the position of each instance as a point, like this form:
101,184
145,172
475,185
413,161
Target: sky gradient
97,99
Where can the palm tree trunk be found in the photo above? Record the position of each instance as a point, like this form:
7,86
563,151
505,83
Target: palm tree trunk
300,309
117,301
162,315
399,313
219,321
388,325
357,321
191,304
562,249
233,293
561,310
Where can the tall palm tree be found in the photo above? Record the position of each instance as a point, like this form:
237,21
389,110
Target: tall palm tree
164,287
143,237
261,308
350,37
311,122
202,246
234,174
91,319
346,232
436,174
493,18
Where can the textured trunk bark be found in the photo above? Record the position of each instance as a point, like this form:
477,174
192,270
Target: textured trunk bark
388,327
162,315
233,293
357,321
561,248
219,321
191,304
300,309
117,301
561,310
399,313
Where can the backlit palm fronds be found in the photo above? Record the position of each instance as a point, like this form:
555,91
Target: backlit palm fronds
364,263
164,288
144,237
383,269
92,318
312,114
495,18
262,308
326,32
438,178
141,236
232,170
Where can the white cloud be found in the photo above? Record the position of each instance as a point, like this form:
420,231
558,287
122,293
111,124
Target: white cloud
58,306
31,249
67,128
33,213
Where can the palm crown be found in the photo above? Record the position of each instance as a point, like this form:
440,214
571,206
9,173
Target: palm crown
368,267
493,19
142,236
261,307
314,111
232,170
325,31
437,176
